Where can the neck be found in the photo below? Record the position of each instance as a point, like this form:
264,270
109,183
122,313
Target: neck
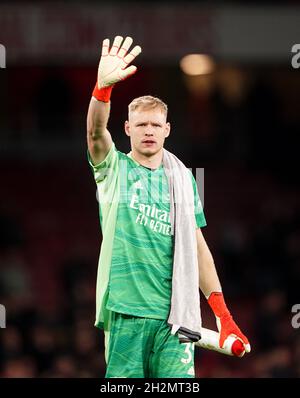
153,161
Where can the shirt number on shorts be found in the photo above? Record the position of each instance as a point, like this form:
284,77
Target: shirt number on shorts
189,350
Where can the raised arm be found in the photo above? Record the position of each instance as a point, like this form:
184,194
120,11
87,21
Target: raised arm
113,67
98,137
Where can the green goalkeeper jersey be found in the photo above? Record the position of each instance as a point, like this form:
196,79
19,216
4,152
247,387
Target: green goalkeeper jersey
140,276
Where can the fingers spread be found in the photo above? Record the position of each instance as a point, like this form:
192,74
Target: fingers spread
130,57
116,45
105,47
124,73
125,46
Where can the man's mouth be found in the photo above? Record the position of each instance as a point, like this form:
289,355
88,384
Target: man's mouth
148,142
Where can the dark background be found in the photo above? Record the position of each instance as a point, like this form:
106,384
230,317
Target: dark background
240,123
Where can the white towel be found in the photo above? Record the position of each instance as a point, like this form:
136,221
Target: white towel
185,316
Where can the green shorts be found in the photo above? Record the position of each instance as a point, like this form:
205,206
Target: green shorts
144,347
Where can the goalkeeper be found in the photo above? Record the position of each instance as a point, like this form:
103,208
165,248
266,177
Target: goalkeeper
135,270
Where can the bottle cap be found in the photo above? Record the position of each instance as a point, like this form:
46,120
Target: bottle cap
238,348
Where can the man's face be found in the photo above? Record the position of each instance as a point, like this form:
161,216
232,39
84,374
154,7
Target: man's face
147,130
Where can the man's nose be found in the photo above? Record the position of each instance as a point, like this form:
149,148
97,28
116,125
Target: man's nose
148,131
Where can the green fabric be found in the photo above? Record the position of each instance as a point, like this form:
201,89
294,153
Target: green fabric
141,347
107,180
135,264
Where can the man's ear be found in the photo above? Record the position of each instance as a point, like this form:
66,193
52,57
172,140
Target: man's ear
168,129
126,128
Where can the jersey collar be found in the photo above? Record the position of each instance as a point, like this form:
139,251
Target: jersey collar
145,167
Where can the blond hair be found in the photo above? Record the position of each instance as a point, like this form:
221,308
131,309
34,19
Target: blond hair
147,102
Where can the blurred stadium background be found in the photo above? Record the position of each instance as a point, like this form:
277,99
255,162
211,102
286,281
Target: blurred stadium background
240,122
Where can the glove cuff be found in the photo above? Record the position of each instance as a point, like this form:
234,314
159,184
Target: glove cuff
217,304
102,94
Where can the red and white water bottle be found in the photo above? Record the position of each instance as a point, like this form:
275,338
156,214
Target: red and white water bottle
232,345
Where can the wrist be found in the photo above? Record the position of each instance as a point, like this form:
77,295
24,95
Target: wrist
218,305
103,94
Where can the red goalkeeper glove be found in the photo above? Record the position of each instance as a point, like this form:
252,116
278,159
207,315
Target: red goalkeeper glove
225,323
113,66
